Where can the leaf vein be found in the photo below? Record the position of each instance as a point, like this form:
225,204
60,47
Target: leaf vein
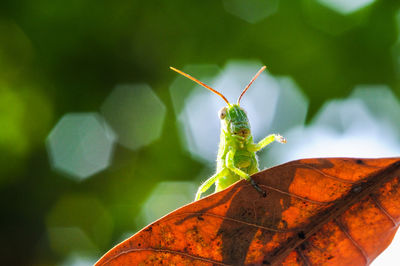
166,251
383,210
343,228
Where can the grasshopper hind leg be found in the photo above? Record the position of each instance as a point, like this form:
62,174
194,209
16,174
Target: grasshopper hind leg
208,183
252,170
255,185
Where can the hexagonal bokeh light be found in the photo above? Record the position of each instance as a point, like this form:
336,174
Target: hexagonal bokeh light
372,130
77,260
79,224
66,240
199,122
252,11
345,7
382,104
135,113
165,197
326,15
80,145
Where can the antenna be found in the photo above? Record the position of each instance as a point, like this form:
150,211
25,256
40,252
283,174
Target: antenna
201,83
251,82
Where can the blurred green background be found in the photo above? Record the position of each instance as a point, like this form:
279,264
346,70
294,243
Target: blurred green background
88,110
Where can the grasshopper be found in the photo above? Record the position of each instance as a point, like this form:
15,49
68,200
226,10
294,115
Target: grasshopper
236,157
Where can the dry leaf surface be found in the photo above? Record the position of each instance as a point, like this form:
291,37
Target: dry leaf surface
336,211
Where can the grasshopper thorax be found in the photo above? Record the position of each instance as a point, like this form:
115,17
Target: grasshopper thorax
234,121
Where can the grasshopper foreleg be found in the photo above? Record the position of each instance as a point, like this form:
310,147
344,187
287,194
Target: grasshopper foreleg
265,141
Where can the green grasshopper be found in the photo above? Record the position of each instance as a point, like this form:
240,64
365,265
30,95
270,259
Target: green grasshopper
237,152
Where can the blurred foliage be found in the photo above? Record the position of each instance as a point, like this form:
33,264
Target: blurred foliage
58,57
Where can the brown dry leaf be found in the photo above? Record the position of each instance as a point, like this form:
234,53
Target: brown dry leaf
336,211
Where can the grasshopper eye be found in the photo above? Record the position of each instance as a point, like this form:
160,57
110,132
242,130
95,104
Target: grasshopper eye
222,113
